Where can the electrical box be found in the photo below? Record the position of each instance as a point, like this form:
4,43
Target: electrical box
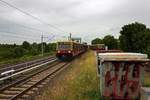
121,75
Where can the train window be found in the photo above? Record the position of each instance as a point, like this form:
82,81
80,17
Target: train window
64,46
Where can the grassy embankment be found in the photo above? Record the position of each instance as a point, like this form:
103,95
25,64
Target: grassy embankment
79,82
23,59
147,79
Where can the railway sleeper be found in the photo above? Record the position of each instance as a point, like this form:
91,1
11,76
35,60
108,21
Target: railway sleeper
5,96
31,82
26,85
44,83
25,96
40,86
30,92
16,89
11,92
35,89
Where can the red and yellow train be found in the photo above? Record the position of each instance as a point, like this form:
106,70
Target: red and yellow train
69,49
97,47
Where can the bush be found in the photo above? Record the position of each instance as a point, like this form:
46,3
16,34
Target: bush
19,52
7,54
34,52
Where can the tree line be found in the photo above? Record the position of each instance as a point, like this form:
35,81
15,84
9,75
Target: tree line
108,40
8,51
134,37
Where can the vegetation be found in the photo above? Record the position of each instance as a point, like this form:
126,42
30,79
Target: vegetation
78,82
146,79
108,40
97,41
135,37
111,42
12,53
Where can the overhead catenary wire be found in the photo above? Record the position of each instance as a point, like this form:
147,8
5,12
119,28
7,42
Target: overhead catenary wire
35,18
26,27
18,36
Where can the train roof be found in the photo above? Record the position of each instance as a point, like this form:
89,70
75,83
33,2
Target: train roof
123,57
68,42
97,44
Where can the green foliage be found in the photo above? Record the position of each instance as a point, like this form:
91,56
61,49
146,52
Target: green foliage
108,40
19,52
111,42
52,46
134,37
26,45
10,51
97,41
7,54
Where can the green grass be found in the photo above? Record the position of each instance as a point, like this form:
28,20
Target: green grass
24,58
79,82
147,79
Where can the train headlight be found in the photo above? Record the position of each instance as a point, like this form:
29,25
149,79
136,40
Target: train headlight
58,51
69,51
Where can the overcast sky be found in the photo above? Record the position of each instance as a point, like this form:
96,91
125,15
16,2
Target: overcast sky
83,18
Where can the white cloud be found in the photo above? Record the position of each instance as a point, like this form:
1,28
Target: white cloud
85,18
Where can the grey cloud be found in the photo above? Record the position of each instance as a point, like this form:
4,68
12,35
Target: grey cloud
85,18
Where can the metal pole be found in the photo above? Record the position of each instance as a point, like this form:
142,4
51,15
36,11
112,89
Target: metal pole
70,36
42,48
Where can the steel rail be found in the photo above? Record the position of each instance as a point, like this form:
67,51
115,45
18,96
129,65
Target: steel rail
38,63
41,80
7,67
25,78
26,70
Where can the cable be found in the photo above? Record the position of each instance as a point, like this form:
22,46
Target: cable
28,14
49,39
17,36
20,36
27,27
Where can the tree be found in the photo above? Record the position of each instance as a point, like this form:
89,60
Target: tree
7,54
52,46
34,50
134,37
97,41
26,45
19,52
111,42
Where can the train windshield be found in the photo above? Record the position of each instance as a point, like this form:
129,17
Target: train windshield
64,46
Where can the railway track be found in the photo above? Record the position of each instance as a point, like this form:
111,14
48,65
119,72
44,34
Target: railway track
31,84
25,64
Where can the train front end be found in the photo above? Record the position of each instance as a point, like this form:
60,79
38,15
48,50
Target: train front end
64,51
